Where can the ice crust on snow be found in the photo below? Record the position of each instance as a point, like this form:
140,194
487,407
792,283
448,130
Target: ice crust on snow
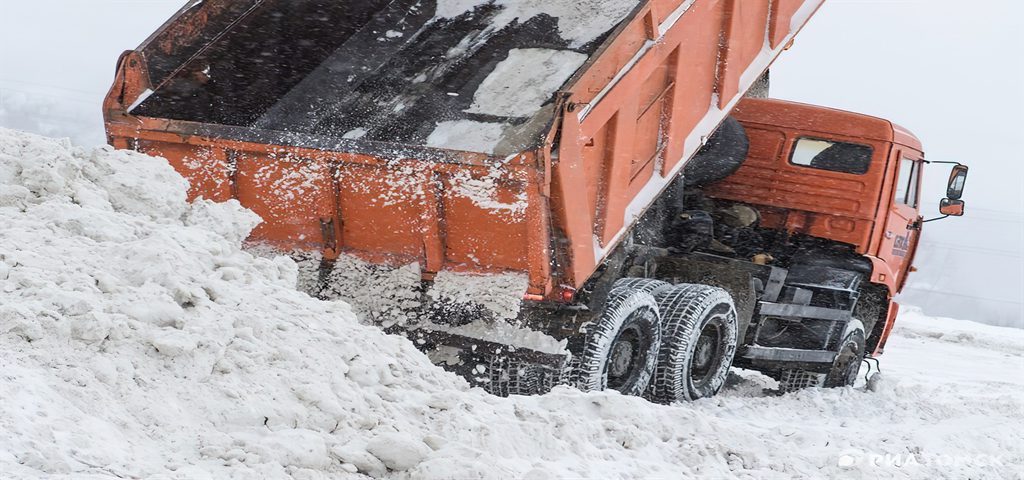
103,263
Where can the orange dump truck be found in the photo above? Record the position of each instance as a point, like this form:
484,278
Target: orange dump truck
503,181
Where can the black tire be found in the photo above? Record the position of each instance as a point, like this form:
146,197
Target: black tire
699,331
509,377
721,156
844,369
621,345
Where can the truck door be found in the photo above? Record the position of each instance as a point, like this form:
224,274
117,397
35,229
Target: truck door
902,229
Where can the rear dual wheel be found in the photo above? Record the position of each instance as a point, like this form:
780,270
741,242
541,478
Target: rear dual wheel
668,343
699,337
622,344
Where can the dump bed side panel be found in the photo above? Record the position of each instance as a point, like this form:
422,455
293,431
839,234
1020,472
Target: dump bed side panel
460,217
645,104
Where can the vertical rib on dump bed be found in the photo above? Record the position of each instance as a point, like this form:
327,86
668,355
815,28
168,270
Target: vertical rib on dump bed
380,129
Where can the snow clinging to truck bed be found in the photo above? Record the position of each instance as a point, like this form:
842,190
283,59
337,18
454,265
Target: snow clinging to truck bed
528,78
520,84
468,135
579,21
517,88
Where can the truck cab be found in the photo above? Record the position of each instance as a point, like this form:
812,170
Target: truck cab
831,189
829,174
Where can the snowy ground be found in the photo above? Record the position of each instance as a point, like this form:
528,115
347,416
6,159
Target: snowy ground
137,340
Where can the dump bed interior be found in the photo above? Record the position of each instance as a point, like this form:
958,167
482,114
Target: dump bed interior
453,74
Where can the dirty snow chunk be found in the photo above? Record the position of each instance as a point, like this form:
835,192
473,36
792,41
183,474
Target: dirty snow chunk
467,135
397,451
501,294
379,294
524,81
579,21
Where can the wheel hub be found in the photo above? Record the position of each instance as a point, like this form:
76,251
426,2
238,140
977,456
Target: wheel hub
703,352
622,357
706,353
846,364
626,357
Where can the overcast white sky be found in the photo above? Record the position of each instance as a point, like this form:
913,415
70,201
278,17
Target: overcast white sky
948,70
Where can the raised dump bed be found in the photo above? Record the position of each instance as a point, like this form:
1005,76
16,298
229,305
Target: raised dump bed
504,136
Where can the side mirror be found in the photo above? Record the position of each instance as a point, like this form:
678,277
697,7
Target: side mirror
957,178
952,207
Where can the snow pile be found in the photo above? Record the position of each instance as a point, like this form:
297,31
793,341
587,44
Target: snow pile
138,340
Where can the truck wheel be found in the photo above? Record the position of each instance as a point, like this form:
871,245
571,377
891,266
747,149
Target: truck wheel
622,344
699,332
851,355
844,368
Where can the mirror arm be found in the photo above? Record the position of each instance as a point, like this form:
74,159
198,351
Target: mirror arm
934,219
941,162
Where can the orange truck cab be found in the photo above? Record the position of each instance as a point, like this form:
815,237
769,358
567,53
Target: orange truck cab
540,194
851,180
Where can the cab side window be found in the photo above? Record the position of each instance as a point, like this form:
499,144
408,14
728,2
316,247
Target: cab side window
906,182
833,156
